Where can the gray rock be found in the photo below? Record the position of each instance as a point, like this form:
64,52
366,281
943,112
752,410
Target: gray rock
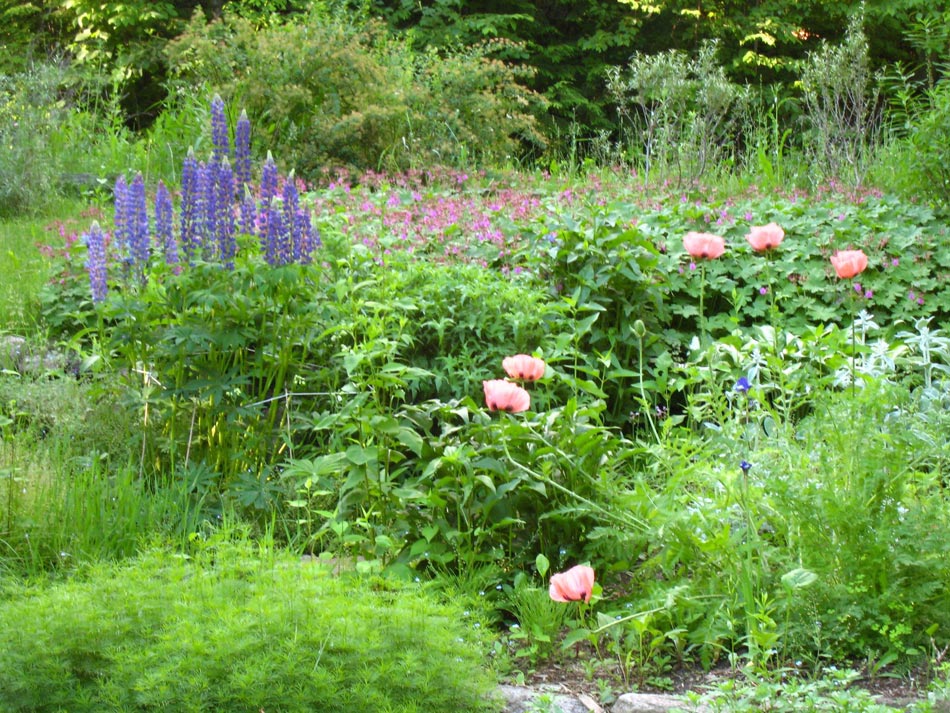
651,703
520,699
12,350
16,354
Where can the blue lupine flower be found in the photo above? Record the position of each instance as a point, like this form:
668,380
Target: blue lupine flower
206,199
273,234
248,213
268,179
305,242
269,215
242,153
96,262
224,216
289,243
190,241
164,233
219,130
138,231
743,385
123,211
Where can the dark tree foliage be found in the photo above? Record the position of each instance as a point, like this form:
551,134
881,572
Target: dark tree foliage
568,44
571,44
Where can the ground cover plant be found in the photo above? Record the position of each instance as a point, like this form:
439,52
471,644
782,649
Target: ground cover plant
743,440
233,625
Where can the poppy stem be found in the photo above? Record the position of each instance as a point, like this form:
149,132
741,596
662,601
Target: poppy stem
702,294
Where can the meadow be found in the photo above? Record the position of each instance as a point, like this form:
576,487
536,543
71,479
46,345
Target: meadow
264,446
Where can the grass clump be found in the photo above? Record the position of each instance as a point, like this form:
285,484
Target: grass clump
233,629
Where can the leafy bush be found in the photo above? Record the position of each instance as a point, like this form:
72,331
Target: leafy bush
840,99
352,94
29,115
929,149
682,111
237,628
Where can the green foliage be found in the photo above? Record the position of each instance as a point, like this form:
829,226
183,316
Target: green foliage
351,94
682,111
337,405
29,115
929,150
840,97
834,691
235,627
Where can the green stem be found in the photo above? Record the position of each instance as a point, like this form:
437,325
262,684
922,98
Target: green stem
702,296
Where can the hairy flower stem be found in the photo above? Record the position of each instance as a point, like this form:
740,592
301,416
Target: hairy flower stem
702,314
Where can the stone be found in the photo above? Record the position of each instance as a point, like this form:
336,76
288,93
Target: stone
652,703
12,350
521,699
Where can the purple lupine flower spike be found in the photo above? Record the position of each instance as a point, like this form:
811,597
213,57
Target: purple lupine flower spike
242,154
206,207
274,236
224,215
139,235
123,211
304,239
289,250
268,179
248,213
268,223
221,146
96,262
164,231
190,242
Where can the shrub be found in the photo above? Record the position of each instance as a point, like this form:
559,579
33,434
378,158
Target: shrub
841,112
351,94
682,112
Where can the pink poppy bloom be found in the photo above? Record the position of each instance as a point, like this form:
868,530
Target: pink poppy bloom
765,237
501,395
524,367
849,263
573,585
704,245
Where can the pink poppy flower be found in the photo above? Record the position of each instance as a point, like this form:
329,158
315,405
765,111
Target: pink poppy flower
849,263
501,395
704,245
524,367
765,237
573,585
